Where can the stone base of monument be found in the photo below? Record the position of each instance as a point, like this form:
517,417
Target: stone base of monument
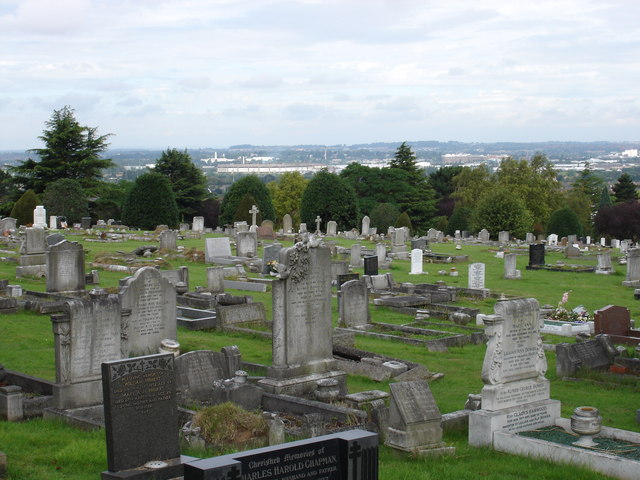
156,470
85,418
75,395
420,440
483,424
599,461
37,271
303,385
626,283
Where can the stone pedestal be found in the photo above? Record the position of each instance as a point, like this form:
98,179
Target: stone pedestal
11,403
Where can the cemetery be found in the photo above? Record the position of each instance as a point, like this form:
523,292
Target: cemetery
361,355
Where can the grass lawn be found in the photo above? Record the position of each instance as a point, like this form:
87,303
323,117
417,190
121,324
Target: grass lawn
39,449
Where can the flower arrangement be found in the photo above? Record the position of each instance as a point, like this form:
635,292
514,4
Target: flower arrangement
273,266
577,315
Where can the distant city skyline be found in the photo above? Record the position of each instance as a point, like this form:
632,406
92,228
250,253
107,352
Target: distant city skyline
215,73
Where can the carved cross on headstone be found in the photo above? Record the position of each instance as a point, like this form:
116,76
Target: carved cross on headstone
254,211
318,222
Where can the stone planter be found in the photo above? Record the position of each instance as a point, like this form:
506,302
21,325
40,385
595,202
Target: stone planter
586,422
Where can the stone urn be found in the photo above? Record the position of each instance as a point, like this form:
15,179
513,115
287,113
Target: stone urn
586,422
328,390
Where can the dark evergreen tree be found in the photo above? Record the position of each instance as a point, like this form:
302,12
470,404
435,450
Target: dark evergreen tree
109,200
244,207
23,209
210,210
330,197
383,216
624,189
459,220
405,159
250,184
605,198
150,203
564,222
403,220
591,185
66,197
71,151
188,182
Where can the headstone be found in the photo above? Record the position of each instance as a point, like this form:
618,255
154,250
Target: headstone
265,230
65,267
196,372
349,455
149,312
332,228
483,235
564,241
381,253
596,354
53,222
588,240
302,228
302,310
318,222
241,227
416,262
40,217
515,396
530,237
420,243
217,247
55,238
612,320
604,263
11,406
183,227
32,261
85,223
356,252
141,418
415,420
215,279
34,242
87,334
365,226
572,239
345,277
476,276
287,224
353,303
552,240
503,237
198,224
254,212
371,265
633,268
510,264
536,254
270,254
168,240
247,244
398,239
7,225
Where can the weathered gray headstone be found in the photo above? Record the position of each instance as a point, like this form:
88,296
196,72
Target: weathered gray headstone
552,240
302,311
198,224
65,267
633,268
218,247
365,226
141,418
287,224
476,276
168,240
215,279
503,237
483,235
510,264
195,373
416,261
40,217
85,335
353,303
7,225
356,252
596,354
604,263
247,244
149,312
332,228
270,253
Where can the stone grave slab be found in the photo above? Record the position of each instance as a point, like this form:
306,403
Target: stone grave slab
596,354
218,247
353,303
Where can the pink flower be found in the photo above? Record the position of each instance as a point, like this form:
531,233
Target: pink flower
565,297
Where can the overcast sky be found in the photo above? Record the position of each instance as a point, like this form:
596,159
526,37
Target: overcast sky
213,73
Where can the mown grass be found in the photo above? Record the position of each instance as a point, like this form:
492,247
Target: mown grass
39,449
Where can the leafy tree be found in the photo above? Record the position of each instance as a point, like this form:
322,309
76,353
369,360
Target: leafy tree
442,182
330,197
470,184
405,159
589,184
150,203
286,194
403,220
8,193
564,222
65,197
578,201
624,189
71,151
110,199
249,184
23,209
383,216
459,220
619,221
499,210
242,212
605,198
188,182
210,210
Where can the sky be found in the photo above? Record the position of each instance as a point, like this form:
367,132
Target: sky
215,73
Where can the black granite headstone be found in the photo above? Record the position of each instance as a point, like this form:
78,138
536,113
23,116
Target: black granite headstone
536,254
419,243
140,410
85,222
351,455
371,265
345,277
